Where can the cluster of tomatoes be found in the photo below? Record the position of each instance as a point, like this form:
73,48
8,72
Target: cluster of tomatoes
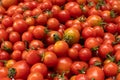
59,39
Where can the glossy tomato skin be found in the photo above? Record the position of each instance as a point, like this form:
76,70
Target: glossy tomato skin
3,72
39,67
50,59
81,77
88,32
22,69
32,57
91,42
99,74
61,48
8,3
35,76
16,55
105,49
63,65
14,36
110,69
3,35
79,67
20,25
85,54
63,16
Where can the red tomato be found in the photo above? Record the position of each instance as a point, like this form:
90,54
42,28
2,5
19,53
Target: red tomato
81,77
39,67
53,24
7,21
35,76
88,32
110,69
50,59
105,49
63,65
61,48
3,35
95,73
14,37
16,55
8,3
20,25
27,36
91,43
3,72
36,44
39,32
32,57
85,54
22,69
79,67
19,45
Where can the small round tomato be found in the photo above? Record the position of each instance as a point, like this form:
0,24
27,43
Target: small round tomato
36,44
20,25
35,76
79,67
63,16
91,43
19,45
53,36
32,57
85,54
88,32
95,61
39,67
30,21
7,21
16,55
63,65
95,72
27,36
73,53
3,35
41,19
105,49
110,69
61,48
10,63
39,32
3,72
81,77
14,37
8,3
4,55
99,31
94,20
22,69
71,35
53,24
7,46
111,28
50,59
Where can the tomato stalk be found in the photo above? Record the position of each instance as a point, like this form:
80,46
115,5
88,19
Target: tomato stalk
82,71
100,3
113,14
11,73
98,63
56,37
112,58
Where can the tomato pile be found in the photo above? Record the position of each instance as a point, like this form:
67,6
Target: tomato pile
59,39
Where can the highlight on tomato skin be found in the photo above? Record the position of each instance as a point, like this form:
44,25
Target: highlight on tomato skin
59,39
